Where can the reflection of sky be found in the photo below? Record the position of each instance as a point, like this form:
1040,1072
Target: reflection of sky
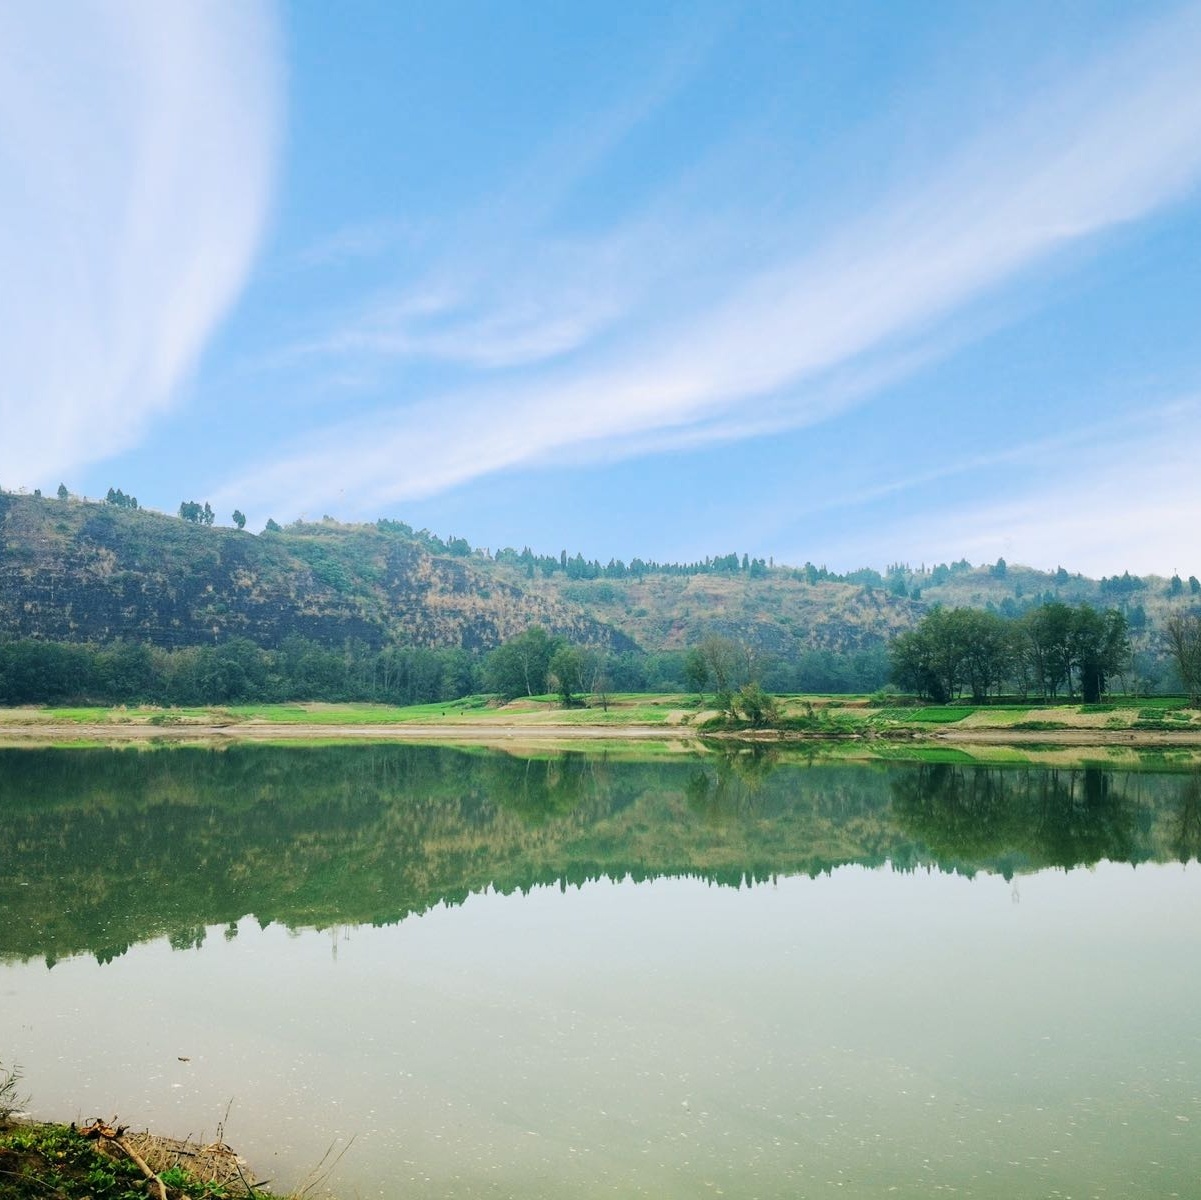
868,1028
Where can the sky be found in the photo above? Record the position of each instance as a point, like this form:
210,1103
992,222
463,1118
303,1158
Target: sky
849,283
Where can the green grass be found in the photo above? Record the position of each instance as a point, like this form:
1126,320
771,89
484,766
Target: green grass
931,714
634,708
1162,703
40,1161
831,715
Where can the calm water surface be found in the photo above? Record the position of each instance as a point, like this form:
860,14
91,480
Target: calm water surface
585,977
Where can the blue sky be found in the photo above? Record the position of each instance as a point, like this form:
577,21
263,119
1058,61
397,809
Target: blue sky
849,283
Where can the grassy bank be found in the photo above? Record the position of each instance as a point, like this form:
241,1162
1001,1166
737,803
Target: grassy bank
836,716
626,716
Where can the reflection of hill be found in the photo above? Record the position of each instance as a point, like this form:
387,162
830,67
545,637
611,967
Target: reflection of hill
1022,820
103,848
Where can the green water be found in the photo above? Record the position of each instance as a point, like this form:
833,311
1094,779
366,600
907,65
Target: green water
577,976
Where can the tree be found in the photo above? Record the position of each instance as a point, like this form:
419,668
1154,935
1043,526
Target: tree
1047,648
239,518
595,674
756,705
601,684
119,499
565,673
272,526
1054,645
911,658
986,650
198,514
725,659
520,666
696,672
929,659
62,491
1099,649
1183,632
728,666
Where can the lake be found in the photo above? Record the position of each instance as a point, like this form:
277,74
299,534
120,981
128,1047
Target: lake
585,975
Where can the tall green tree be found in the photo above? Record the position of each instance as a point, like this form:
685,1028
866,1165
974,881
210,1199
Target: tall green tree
565,673
1099,649
1183,634
1048,633
696,671
986,650
520,667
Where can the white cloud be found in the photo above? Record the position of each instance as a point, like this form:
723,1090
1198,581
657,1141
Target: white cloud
1104,501
1117,142
137,151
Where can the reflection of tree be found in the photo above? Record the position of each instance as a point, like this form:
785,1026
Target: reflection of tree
979,816
100,849
730,792
1186,834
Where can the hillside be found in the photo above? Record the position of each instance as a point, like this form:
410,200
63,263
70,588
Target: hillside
81,571
77,571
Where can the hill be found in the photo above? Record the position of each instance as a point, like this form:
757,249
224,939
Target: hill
77,571
82,571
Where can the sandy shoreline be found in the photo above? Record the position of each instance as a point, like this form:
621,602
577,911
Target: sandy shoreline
495,733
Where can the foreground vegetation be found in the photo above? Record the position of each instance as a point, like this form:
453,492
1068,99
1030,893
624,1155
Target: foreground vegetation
101,1161
43,1160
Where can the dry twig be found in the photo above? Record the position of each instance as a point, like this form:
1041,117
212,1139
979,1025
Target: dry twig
141,1163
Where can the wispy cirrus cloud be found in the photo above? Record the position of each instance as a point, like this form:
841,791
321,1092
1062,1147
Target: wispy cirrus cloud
1117,498
495,285
631,339
138,146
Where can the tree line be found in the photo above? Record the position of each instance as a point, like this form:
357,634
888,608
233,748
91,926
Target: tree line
535,663
233,672
1055,649
238,671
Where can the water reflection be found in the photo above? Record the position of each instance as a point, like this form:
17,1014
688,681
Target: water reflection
842,1032
1023,820
100,849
